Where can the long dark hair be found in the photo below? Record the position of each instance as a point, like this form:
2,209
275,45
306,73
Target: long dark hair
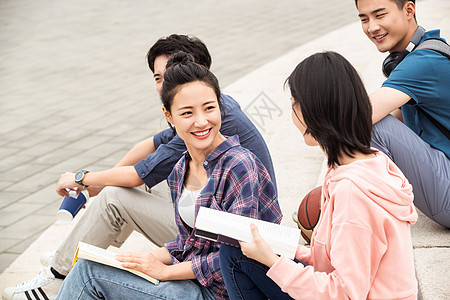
181,69
334,103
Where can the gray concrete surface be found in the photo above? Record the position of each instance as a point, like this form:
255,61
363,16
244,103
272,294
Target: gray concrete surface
298,167
75,91
431,242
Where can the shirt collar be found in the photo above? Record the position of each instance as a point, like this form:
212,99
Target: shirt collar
229,143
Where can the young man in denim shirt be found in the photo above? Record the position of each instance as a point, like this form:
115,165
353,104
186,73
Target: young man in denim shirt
120,208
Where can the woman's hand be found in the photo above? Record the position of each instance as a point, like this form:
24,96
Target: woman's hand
258,249
145,262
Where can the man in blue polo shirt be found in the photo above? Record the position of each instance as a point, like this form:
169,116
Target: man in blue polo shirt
119,209
418,84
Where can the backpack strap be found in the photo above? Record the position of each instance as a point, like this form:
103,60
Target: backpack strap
443,48
436,45
438,125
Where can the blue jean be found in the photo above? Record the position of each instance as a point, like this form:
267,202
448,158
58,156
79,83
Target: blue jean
90,280
427,169
246,278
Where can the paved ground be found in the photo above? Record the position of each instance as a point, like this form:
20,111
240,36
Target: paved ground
75,91
257,86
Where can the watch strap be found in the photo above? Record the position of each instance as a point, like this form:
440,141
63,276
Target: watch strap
80,181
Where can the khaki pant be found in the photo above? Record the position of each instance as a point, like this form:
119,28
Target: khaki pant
111,218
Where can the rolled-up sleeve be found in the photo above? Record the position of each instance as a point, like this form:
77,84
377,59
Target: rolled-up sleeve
163,137
158,165
172,245
242,196
207,268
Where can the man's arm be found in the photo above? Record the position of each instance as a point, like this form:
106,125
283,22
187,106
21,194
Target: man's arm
120,176
158,165
137,153
386,100
146,147
398,114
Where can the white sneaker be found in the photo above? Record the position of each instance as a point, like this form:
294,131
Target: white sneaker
42,287
46,258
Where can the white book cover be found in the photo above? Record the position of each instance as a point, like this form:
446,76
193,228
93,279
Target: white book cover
225,227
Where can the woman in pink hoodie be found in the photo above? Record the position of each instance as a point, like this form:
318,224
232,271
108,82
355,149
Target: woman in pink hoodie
361,248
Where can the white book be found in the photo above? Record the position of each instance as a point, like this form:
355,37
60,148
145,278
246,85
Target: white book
106,257
225,227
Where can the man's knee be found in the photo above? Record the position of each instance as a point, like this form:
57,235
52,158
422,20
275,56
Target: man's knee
385,126
111,191
111,195
443,218
389,134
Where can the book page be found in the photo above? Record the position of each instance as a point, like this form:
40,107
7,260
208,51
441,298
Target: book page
99,253
106,257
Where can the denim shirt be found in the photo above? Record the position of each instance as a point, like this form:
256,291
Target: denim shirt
237,183
170,147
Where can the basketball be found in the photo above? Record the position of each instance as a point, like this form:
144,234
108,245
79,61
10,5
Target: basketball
308,213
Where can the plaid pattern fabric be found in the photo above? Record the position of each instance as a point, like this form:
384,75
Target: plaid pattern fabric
238,183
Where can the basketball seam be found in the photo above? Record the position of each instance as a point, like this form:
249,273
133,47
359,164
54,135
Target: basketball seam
307,212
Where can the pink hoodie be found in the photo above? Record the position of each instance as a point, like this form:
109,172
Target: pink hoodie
361,248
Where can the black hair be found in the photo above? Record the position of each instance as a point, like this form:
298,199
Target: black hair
400,3
334,103
181,69
175,43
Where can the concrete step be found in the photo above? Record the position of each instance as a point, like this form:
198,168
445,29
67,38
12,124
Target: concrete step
299,168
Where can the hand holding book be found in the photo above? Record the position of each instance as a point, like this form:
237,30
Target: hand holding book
258,249
157,263
225,227
144,262
106,257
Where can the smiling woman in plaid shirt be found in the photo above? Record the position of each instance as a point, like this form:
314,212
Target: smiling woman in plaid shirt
215,172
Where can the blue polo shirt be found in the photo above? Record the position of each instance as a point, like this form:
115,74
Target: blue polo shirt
424,75
170,147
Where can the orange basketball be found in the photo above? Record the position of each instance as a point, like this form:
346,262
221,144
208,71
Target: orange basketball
308,213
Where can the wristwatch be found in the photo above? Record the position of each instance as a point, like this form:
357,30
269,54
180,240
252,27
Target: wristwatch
79,176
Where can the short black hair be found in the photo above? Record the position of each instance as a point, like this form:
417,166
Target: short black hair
182,69
400,3
178,42
334,103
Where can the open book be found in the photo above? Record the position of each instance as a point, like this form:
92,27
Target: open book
105,257
224,227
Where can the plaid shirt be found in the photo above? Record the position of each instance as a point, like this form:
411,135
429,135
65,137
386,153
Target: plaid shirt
238,183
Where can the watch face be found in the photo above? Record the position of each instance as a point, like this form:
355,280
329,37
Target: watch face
79,176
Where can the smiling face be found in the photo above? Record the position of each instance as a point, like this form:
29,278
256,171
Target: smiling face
386,25
195,113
